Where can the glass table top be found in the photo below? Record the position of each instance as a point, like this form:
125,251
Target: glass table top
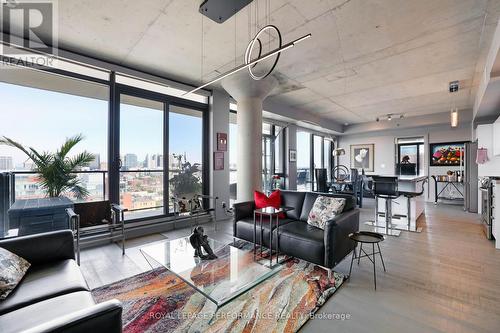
272,210
220,280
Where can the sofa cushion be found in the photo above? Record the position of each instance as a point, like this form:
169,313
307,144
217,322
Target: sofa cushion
45,281
303,241
12,270
310,198
324,209
244,229
295,200
35,314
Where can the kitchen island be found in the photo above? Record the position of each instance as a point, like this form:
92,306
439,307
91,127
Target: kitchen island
405,209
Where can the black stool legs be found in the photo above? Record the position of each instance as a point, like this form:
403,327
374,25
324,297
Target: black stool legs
371,257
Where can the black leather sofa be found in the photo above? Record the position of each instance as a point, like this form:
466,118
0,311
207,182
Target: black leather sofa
297,238
53,295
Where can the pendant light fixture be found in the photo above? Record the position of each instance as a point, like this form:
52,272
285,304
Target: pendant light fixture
454,86
248,62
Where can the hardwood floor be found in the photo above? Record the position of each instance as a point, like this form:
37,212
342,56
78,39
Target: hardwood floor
445,279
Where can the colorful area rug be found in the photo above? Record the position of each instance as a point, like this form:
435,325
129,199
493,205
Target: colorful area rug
159,301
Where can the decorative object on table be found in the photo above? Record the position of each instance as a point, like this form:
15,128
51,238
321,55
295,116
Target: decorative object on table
169,295
57,171
218,161
277,182
362,157
367,237
340,173
185,183
325,209
482,156
12,270
199,240
293,155
222,141
446,154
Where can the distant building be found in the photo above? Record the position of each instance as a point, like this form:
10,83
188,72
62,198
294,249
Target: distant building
5,163
154,162
96,163
130,161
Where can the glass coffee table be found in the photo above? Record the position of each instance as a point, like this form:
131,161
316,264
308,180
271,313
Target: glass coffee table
234,272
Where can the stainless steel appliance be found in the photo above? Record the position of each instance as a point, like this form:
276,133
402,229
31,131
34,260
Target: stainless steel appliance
486,188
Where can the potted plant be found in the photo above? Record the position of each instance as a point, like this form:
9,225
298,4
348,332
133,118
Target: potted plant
56,169
57,176
186,183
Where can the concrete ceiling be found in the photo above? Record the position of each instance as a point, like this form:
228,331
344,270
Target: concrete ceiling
367,58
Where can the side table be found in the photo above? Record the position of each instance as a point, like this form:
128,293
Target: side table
367,237
273,214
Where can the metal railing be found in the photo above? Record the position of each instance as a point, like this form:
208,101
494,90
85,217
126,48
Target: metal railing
13,175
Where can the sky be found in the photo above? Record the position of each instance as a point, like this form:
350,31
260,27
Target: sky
43,119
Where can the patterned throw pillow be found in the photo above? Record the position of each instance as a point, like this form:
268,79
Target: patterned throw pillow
324,209
12,270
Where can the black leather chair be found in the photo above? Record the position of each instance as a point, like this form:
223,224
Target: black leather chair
385,188
299,239
53,295
355,188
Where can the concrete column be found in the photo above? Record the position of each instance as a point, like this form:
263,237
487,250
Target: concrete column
249,94
219,123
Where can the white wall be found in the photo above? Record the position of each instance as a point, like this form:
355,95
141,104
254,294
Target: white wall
219,123
485,140
385,147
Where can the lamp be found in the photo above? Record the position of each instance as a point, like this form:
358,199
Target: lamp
338,152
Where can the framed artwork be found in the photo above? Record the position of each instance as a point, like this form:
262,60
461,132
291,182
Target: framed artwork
293,155
446,153
362,157
218,161
222,141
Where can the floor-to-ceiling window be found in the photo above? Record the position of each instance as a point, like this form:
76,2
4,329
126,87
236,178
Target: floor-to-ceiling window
185,158
141,155
233,151
304,180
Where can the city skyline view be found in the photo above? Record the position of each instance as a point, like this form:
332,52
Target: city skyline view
50,117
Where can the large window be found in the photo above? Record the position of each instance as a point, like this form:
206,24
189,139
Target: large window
42,107
185,159
304,180
410,156
141,155
41,110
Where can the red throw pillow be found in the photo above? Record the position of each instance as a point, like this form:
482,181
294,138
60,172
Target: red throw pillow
263,201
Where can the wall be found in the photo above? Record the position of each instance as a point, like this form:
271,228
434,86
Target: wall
385,148
219,123
485,140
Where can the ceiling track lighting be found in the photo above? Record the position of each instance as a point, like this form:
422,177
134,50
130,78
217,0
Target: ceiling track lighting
390,117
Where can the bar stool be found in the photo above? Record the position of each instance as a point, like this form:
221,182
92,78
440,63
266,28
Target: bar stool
386,188
409,196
